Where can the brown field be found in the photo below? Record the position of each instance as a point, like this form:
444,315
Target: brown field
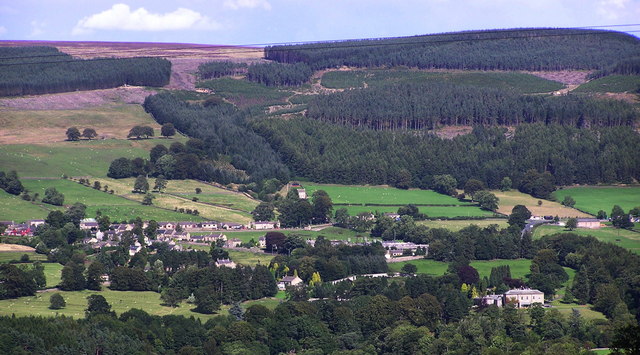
511,198
109,121
567,77
15,248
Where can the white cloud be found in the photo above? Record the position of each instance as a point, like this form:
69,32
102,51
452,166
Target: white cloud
37,28
249,4
121,17
612,9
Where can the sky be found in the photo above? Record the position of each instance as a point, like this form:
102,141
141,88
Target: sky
255,22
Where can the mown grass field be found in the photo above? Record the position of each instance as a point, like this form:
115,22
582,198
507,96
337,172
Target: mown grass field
14,208
611,83
392,198
211,194
82,158
525,83
8,256
509,199
456,225
331,233
519,267
121,301
117,208
594,198
620,237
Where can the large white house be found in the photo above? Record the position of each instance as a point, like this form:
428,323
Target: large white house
523,297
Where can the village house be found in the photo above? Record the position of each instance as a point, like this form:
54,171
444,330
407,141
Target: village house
302,194
395,249
233,243
591,223
166,225
225,263
188,225
491,300
523,297
260,225
88,223
262,242
231,225
289,281
34,223
209,225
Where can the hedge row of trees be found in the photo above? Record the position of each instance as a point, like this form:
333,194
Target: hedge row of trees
330,153
225,136
44,70
218,69
277,74
520,49
428,106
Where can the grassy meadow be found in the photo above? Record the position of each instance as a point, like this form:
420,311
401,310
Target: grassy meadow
591,199
357,199
8,256
525,83
509,199
611,83
120,301
456,225
519,267
14,208
621,237
243,92
116,207
211,194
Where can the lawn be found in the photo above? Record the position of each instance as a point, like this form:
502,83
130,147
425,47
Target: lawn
82,158
519,267
53,273
120,301
591,199
116,207
8,256
211,194
621,237
250,259
508,199
430,211
331,233
353,194
14,208
611,83
525,83
456,225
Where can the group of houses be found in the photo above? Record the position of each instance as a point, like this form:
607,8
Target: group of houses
520,298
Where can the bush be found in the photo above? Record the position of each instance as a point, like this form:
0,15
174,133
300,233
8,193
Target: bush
56,301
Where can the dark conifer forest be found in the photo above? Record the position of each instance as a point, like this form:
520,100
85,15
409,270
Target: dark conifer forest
519,49
45,70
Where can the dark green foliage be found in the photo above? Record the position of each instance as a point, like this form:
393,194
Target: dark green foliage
335,154
56,301
322,206
571,224
519,216
263,212
498,275
53,197
224,131
276,74
487,200
10,183
520,49
73,134
629,66
619,218
212,70
45,70
168,130
126,279
15,282
537,184
139,132
568,201
274,241
141,185
409,268
430,105
73,277
89,133
120,168
98,305
94,276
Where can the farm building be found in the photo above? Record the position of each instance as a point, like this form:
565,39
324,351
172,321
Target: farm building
591,223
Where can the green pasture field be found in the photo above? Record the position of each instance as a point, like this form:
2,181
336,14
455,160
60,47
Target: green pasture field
244,93
525,83
595,198
456,225
621,237
509,199
8,256
53,273
331,233
14,208
82,158
611,83
117,208
567,308
357,194
120,301
211,194
238,256
430,211
519,267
